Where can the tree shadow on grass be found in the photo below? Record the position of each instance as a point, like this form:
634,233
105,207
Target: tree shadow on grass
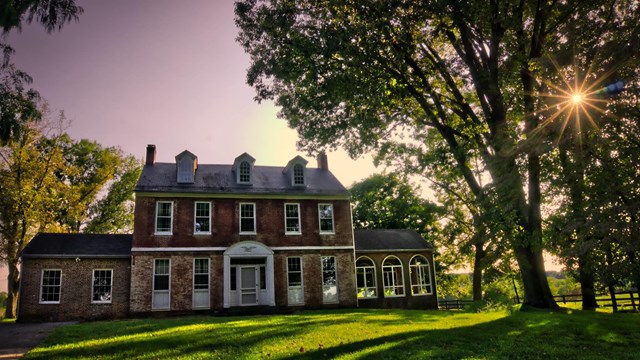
518,336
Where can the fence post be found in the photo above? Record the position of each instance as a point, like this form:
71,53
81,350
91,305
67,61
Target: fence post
633,303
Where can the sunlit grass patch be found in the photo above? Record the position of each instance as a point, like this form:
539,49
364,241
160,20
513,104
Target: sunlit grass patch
354,334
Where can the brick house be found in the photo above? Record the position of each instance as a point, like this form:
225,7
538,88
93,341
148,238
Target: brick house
222,237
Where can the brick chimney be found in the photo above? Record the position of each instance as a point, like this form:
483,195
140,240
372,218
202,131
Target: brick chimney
323,163
151,155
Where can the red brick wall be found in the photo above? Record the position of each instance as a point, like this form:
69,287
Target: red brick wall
225,228
75,292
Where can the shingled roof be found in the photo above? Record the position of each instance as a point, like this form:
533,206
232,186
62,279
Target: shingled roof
212,179
47,245
383,240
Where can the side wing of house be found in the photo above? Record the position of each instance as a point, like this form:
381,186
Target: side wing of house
216,237
75,277
394,269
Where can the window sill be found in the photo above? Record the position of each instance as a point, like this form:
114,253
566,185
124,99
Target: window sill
201,233
163,233
100,302
327,233
427,294
247,233
394,296
293,233
49,302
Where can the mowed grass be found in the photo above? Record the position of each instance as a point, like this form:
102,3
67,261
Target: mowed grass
355,334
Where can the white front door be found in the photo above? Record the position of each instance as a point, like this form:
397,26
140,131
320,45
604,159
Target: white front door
249,285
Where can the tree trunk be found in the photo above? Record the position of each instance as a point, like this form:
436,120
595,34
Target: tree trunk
587,284
477,271
13,284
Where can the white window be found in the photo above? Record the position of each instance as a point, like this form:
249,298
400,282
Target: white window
292,219
366,278
329,280
50,286
244,173
202,218
325,213
161,284
295,289
200,283
420,276
298,174
247,218
102,286
393,277
164,217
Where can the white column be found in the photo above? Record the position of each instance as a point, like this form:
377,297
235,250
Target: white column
270,282
225,281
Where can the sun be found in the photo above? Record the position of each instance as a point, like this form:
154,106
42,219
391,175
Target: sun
577,98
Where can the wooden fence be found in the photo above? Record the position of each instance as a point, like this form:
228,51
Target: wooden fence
623,301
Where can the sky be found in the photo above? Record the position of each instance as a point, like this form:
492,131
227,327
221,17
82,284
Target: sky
169,73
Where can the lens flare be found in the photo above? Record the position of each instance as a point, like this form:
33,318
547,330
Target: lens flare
577,98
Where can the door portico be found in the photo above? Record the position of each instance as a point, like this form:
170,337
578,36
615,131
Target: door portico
248,290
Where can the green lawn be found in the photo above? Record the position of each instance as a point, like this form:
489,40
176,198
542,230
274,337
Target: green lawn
355,334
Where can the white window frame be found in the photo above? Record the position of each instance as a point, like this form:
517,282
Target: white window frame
333,224
195,218
367,289
394,286
322,271
286,231
241,173
240,219
193,282
295,176
153,285
301,287
93,287
59,286
170,232
421,273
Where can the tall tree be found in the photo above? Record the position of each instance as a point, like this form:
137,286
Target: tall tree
53,183
365,76
18,103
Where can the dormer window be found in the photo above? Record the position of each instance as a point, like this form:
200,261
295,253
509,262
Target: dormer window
186,164
298,174
243,169
244,177
296,170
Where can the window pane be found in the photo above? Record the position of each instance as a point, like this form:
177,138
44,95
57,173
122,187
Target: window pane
202,217
325,212
161,275
298,174
50,287
102,285
247,218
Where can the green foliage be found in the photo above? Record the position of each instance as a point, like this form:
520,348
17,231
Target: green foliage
3,300
354,334
454,286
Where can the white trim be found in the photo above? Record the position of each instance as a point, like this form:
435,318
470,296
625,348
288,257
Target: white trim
394,286
294,248
240,219
170,232
153,284
293,174
176,249
93,280
428,266
375,279
242,195
299,232
220,248
333,223
335,264
42,285
193,284
301,281
195,215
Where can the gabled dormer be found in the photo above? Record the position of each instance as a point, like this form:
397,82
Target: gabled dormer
243,169
296,169
186,166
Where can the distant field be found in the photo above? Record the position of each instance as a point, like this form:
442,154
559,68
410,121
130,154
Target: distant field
355,334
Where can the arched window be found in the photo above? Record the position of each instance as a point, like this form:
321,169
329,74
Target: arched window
366,278
420,276
298,174
393,277
245,173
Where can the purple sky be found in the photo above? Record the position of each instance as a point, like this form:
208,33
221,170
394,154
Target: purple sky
161,72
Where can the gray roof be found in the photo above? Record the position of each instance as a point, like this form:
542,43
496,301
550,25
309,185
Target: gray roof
372,240
78,245
218,179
